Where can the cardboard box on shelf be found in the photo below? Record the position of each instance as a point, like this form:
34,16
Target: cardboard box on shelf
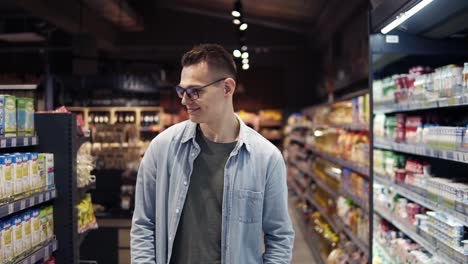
10,115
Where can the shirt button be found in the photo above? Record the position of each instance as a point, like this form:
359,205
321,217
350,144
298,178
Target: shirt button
170,238
193,154
177,211
185,183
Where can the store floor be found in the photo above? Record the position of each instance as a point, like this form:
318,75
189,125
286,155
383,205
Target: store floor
301,252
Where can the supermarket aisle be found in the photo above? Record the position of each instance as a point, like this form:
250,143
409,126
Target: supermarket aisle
301,252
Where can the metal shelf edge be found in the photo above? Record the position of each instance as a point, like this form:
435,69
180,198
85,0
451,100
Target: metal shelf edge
27,202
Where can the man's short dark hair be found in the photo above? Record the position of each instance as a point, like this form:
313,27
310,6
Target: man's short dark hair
215,55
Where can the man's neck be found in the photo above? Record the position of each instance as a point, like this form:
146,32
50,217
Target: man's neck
223,130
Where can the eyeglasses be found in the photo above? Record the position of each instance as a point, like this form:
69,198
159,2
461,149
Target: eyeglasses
193,93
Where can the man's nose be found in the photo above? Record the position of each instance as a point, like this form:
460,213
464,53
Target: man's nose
185,98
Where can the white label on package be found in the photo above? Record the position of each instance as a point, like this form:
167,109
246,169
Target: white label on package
11,208
31,201
22,204
34,141
3,143
13,142
25,141
392,39
47,196
41,198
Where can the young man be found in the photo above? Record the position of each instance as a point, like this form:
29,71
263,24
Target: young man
210,189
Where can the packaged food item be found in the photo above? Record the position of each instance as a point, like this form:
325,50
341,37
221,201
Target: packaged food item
27,239
44,226
26,173
18,235
7,242
50,169
41,164
6,172
2,115
33,170
2,252
465,77
50,222
10,115
36,227
17,161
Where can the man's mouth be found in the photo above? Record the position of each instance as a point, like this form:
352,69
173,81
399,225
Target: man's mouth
192,110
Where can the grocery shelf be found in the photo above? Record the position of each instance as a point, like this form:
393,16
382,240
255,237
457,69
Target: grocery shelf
391,107
324,214
430,247
403,191
358,242
355,199
43,252
310,242
319,182
352,126
299,126
359,168
388,257
421,150
18,86
297,139
19,141
20,204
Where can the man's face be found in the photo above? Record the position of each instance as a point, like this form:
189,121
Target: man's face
211,103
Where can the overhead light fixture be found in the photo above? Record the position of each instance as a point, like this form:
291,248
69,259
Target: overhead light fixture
235,13
243,26
244,48
237,53
245,61
245,66
404,16
245,55
236,21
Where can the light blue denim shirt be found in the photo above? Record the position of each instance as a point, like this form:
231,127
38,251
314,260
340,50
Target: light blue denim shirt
254,198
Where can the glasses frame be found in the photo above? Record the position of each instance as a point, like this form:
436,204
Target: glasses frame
192,92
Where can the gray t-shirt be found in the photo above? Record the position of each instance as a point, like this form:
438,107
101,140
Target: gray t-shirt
198,237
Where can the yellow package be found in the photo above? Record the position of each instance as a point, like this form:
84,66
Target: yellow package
27,239
36,228
7,242
18,235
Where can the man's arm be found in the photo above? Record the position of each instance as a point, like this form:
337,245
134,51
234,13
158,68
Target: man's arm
142,242
279,233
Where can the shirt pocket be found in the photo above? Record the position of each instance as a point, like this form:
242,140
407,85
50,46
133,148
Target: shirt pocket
250,206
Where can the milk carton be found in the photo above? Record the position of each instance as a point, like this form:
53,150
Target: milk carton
10,115
2,115
33,170
6,172
41,164
27,239
18,234
26,173
25,115
36,227
7,240
17,162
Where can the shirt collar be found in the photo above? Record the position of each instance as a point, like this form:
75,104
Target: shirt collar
191,129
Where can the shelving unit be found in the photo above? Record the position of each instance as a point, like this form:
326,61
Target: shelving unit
64,143
359,168
394,54
421,150
20,204
20,141
417,198
41,252
430,246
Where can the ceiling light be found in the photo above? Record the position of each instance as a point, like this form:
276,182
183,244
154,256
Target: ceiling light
237,53
245,66
404,16
245,61
244,48
245,55
235,13
243,26
318,133
236,21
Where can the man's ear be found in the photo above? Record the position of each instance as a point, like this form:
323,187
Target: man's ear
229,86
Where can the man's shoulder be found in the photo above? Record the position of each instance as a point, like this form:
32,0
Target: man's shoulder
171,133
261,146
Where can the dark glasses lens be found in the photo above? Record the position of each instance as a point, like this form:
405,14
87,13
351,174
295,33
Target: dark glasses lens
191,93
